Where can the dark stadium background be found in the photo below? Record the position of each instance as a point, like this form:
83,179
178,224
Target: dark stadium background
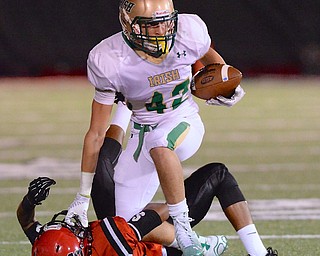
44,38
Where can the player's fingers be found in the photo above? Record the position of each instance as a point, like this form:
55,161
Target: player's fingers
41,182
68,218
47,180
47,184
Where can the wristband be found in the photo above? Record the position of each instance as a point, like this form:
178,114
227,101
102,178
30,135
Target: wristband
86,183
121,116
26,204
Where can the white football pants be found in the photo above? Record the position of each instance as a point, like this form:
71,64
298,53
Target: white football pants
136,181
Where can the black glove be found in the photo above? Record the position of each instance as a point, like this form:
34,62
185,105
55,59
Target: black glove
119,97
39,190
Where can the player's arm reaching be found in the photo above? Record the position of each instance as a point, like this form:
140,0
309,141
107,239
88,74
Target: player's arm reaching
101,150
214,57
151,217
38,191
100,115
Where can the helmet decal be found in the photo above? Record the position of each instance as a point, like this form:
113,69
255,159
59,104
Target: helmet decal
78,252
126,5
160,13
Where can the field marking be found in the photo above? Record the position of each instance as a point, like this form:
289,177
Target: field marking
275,209
281,237
50,167
268,167
56,168
14,243
271,237
261,187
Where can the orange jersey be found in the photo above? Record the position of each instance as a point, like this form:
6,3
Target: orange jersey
114,236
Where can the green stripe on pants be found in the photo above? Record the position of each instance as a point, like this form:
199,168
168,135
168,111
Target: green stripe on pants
176,136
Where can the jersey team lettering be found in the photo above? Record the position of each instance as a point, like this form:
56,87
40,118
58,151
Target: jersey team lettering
164,78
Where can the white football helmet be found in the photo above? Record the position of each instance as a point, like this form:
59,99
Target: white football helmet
149,25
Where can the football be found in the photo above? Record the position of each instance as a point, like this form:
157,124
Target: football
215,79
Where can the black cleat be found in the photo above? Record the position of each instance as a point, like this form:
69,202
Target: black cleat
271,252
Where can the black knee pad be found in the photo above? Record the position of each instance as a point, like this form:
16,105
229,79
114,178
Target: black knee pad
203,185
229,192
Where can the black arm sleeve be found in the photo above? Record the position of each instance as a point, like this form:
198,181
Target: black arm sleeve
102,192
144,222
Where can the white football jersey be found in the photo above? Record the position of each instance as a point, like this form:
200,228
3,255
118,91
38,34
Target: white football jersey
154,92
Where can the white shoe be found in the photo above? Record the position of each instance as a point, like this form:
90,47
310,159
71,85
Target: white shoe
213,245
187,240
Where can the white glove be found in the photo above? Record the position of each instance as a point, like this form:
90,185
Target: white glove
79,207
228,102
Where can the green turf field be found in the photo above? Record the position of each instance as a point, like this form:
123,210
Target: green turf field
270,141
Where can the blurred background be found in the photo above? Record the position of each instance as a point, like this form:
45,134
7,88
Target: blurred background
270,141
45,38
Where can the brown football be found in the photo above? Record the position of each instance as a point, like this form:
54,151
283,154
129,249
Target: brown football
215,79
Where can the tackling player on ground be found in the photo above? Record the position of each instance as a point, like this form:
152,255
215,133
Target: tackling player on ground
114,236
111,235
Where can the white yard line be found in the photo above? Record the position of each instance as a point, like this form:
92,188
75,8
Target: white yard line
276,209
56,168
271,237
275,237
53,168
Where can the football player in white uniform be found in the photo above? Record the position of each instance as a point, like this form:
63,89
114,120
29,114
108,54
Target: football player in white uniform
149,62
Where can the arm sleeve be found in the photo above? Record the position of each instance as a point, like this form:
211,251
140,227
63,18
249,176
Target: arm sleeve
144,222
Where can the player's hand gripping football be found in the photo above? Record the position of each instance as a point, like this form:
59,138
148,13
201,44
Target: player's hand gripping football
228,102
78,207
38,190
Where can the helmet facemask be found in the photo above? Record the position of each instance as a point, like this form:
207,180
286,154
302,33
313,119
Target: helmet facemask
154,44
